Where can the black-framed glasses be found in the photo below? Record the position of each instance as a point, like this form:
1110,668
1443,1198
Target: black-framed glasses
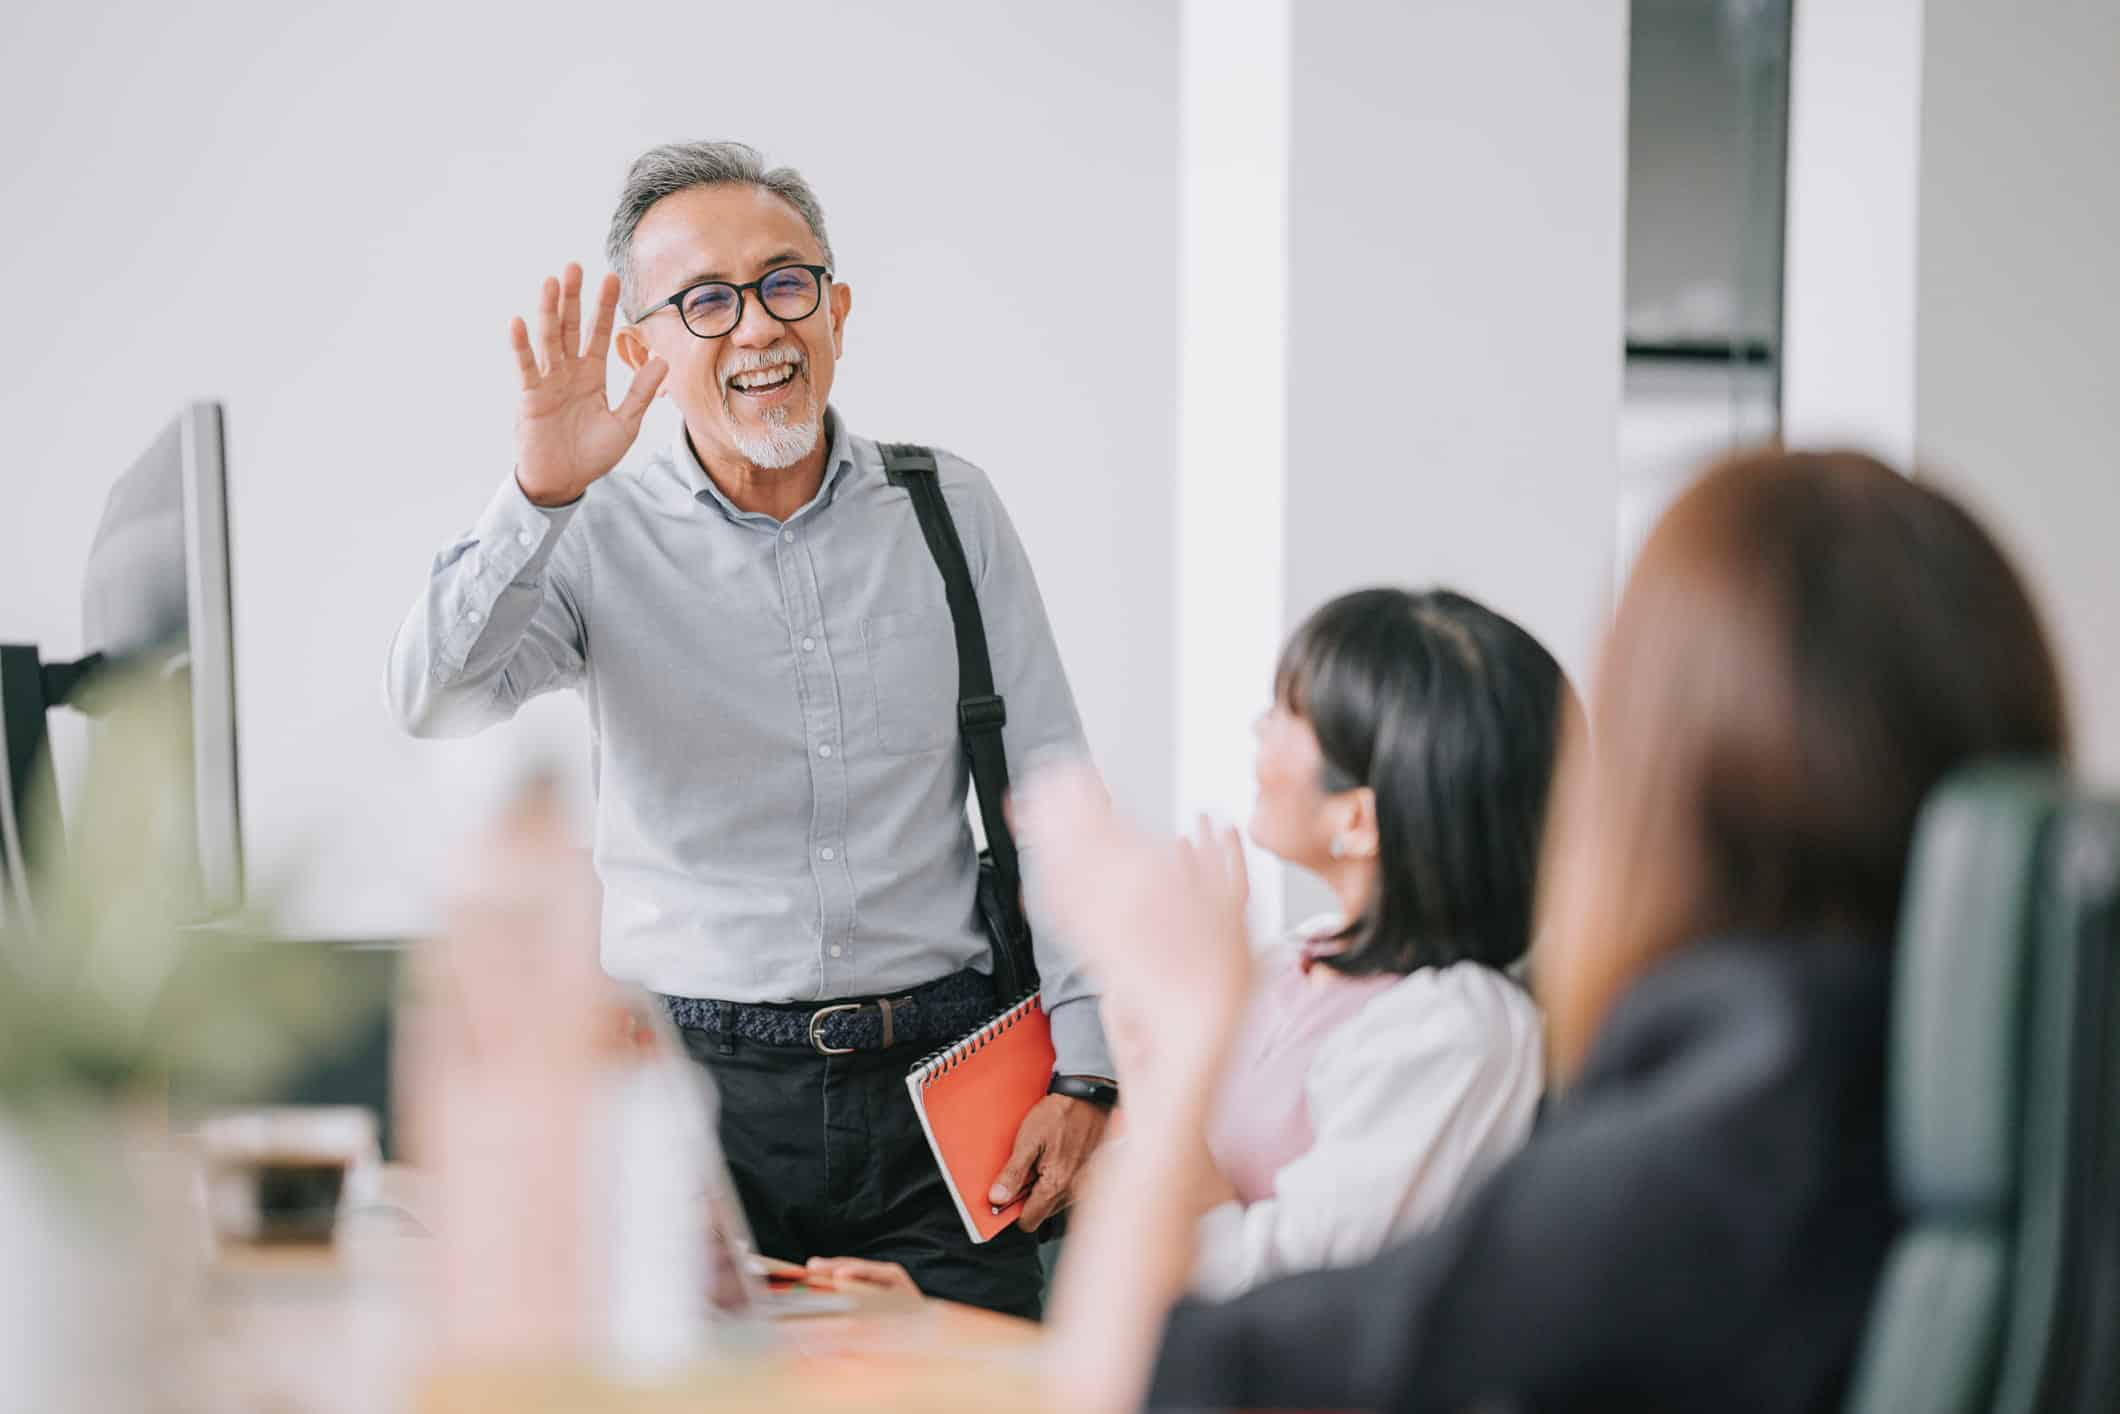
713,308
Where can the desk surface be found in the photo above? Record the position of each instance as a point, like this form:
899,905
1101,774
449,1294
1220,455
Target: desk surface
336,1330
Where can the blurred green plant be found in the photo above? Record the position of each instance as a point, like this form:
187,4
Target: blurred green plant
109,993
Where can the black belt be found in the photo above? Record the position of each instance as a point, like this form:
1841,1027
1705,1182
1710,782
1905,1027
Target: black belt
930,1015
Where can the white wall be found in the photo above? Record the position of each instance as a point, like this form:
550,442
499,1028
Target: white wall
1454,374
1848,307
1459,180
2018,383
327,217
1232,398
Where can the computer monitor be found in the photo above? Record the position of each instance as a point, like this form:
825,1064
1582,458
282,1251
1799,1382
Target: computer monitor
155,606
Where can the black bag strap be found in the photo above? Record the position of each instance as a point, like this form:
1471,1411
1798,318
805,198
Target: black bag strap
980,711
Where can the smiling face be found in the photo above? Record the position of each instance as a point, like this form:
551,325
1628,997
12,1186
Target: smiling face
757,394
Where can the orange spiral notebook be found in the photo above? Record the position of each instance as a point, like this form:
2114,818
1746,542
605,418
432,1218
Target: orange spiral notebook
971,1098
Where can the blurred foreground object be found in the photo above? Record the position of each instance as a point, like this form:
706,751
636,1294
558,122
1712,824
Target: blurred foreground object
280,1174
572,1148
105,996
502,1034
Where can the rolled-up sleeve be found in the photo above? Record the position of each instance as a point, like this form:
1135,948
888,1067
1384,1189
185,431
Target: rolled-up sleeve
497,623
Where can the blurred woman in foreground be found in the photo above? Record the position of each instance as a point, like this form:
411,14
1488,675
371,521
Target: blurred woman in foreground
1807,645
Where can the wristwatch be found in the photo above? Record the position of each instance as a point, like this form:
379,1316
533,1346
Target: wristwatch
1093,1088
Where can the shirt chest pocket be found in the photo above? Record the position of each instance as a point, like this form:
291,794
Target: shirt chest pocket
913,666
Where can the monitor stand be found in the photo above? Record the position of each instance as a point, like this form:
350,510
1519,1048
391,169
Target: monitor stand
29,687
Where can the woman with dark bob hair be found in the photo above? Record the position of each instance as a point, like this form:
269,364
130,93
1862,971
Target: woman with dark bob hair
1387,1056
1808,644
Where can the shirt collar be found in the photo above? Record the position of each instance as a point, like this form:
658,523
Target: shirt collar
1316,950
1320,940
838,458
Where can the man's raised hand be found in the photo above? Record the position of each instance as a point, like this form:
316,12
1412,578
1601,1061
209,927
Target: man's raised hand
566,433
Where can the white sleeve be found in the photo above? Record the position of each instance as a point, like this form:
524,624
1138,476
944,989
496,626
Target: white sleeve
1427,1087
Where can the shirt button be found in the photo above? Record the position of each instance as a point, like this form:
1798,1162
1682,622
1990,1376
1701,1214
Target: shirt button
475,616
825,750
525,538
788,535
809,645
837,950
825,854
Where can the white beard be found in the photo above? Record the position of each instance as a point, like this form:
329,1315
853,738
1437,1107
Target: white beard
780,444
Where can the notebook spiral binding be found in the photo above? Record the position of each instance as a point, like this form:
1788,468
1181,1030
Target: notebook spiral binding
943,1061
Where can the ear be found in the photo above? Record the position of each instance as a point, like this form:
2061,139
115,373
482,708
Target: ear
633,351
842,301
1358,823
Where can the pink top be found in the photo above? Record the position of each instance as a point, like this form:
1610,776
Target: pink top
1263,1119
1358,1108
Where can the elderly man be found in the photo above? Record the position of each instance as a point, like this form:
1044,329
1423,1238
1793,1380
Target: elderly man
762,638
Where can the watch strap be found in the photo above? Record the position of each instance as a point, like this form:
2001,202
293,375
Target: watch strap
1085,1087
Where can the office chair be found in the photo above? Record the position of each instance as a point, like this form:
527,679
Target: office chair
2002,1293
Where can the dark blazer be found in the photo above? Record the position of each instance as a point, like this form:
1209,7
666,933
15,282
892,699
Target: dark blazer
1697,1225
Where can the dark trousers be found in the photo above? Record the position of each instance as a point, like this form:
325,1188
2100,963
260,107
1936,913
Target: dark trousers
830,1161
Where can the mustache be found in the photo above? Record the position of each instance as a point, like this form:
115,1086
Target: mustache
755,360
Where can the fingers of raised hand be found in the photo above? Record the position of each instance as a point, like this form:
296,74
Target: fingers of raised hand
1238,872
570,310
1215,864
548,344
1221,853
560,342
1069,813
525,360
606,313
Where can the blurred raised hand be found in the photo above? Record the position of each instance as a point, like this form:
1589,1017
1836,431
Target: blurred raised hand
1160,926
1158,923
508,1028
566,433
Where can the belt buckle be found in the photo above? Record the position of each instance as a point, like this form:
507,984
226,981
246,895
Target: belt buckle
817,1020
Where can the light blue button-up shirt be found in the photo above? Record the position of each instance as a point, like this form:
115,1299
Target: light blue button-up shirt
780,810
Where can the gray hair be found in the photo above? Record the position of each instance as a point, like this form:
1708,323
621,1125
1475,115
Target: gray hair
680,166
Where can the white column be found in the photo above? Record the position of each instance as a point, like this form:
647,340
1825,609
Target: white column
1952,296
1401,346
1232,395
1853,219
2018,296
